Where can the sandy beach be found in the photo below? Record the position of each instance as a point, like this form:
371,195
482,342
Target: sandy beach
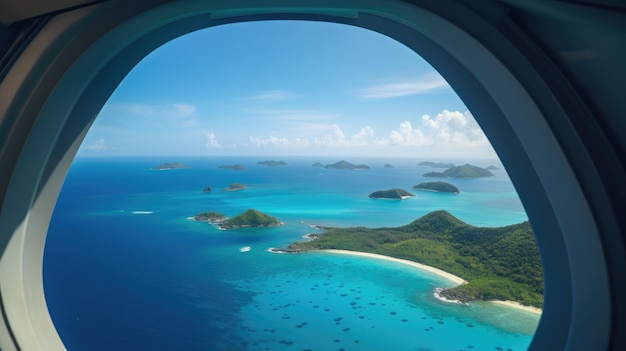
437,271
449,276
518,306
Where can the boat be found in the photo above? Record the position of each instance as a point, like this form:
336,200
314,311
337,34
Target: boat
244,249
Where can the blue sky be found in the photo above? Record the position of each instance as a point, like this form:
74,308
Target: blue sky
285,88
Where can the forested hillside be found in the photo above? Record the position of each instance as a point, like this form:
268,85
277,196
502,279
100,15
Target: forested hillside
500,263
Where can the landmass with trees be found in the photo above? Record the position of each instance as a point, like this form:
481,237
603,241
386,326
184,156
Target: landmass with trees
464,171
167,166
249,218
437,186
272,163
233,167
498,263
398,194
346,165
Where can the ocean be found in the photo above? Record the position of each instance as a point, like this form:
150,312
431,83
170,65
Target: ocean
125,268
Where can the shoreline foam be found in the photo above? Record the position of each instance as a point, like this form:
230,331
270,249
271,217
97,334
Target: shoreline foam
439,272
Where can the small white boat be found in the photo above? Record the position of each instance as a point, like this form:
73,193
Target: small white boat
244,249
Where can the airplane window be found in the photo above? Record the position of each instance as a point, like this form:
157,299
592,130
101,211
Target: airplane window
285,185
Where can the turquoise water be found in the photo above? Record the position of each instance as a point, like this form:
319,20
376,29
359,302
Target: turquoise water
124,269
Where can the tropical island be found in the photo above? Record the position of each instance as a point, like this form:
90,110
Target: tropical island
272,163
210,217
397,194
500,263
167,166
235,187
436,164
233,167
346,165
465,171
250,218
437,186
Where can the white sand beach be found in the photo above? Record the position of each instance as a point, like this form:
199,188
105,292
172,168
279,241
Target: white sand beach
518,306
437,271
451,277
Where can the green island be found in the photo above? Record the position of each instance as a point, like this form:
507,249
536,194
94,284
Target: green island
250,218
500,263
465,171
235,187
346,165
437,186
398,194
233,167
272,163
167,166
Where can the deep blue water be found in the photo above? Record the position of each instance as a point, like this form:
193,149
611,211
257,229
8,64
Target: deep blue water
125,270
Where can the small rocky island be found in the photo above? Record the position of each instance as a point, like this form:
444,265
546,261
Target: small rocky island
317,164
272,163
388,165
396,194
436,164
235,187
210,217
492,168
233,167
346,165
207,189
167,166
438,187
465,171
250,218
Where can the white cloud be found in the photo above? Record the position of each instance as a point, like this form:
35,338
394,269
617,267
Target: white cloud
273,96
447,128
211,141
424,84
363,136
98,145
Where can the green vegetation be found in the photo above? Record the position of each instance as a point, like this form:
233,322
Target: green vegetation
234,167
346,165
167,166
272,163
211,217
250,218
438,186
465,171
235,187
500,263
391,194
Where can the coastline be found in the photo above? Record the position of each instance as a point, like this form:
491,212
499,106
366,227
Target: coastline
518,306
439,272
